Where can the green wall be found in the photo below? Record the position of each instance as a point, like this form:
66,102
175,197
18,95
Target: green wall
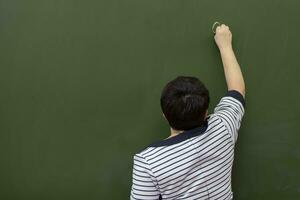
80,83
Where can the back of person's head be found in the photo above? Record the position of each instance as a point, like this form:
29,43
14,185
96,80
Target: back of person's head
184,102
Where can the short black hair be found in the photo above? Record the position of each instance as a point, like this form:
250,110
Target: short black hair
184,102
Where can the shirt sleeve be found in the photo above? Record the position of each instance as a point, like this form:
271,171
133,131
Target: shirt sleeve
230,110
143,181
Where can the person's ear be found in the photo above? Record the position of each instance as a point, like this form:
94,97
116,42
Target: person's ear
206,113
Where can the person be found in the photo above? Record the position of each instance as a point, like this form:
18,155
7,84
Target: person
195,162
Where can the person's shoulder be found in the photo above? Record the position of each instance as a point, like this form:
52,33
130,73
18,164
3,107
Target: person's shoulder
236,97
148,150
145,156
213,120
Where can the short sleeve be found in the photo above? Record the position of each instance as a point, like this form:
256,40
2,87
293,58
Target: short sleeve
143,181
231,110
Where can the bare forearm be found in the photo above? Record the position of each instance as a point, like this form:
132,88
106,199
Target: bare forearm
232,70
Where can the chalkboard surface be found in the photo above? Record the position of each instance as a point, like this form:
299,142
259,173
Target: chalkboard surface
80,83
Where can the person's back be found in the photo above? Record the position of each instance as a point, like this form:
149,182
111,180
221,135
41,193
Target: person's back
194,163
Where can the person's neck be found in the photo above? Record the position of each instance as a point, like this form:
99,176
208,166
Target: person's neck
175,132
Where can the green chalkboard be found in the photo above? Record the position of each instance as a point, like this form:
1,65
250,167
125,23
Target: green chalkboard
80,83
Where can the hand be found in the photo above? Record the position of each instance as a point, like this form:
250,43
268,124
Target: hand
223,37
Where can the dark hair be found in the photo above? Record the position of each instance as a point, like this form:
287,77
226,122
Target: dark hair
184,102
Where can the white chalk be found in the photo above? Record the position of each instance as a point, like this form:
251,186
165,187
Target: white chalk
214,26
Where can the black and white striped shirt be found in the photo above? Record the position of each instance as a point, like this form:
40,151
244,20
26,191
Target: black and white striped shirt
195,164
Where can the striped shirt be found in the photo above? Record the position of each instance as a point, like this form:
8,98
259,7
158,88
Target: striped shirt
195,164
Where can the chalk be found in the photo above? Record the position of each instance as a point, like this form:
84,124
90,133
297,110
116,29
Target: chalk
214,26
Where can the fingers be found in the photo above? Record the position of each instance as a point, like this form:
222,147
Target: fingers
222,28
218,27
223,36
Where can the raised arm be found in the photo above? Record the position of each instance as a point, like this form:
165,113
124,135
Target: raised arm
233,73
